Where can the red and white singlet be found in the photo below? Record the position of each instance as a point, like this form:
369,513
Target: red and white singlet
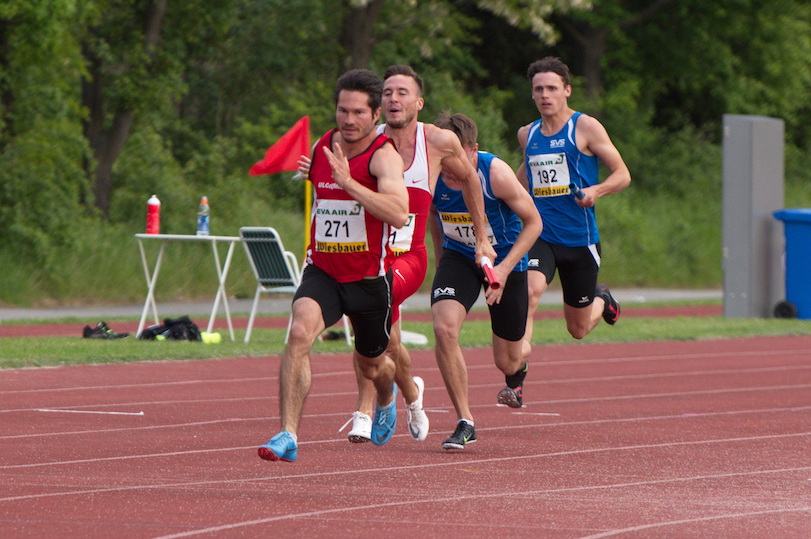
412,235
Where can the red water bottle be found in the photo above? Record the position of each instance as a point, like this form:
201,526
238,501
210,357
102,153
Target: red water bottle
153,215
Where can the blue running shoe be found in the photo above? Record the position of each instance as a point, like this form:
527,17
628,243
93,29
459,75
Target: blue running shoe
280,447
385,420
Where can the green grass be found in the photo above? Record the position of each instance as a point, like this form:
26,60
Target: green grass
51,351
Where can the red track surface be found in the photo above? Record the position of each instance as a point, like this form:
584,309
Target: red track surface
668,439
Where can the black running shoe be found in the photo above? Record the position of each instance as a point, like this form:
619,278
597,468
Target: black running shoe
517,379
513,394
463,435
611,311
512,397
101,331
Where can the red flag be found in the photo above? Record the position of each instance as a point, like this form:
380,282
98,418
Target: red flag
282,156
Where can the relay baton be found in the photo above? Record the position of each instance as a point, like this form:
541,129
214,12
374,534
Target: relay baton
489,272
577,192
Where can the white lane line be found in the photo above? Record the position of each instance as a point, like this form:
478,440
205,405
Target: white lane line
165,384
130,429
256,522
734,354
472,386
697,519
88,412
678,394
341,414
455,498
674,374
120,458
137,386
173,402
387,469
647,358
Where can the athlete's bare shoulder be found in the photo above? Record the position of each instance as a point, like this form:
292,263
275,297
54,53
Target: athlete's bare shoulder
387,153
442,142
523,133
590,132
436,136
589,125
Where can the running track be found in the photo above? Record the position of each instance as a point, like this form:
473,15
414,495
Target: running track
666,439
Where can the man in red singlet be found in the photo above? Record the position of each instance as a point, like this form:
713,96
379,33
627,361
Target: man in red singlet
359,197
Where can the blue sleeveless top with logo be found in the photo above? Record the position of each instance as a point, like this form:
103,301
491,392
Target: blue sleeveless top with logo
552,163
503,225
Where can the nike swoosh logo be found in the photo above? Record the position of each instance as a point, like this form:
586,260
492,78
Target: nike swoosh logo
382,437
400,275
467,438
414,432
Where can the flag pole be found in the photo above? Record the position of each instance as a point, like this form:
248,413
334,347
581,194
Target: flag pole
308,203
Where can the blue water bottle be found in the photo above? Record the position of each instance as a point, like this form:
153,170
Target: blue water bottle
203,216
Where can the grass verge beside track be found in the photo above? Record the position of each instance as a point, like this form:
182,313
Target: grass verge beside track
53,351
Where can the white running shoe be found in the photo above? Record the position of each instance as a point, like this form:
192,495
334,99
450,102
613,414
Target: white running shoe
361,431
417,419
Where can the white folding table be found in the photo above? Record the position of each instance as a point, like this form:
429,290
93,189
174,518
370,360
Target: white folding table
152,276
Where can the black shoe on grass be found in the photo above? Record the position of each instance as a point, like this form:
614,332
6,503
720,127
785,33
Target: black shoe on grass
101,331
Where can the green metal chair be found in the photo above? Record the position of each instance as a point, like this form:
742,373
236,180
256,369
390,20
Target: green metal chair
275,269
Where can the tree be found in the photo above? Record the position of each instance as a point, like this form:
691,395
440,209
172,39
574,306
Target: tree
120,51
42,185
590,31
357,36
699,60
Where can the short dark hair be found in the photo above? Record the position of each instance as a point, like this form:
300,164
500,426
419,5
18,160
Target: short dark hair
549,64
464,127
361,80
408,71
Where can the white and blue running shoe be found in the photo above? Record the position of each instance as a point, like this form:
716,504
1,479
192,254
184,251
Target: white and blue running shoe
280,447
385,420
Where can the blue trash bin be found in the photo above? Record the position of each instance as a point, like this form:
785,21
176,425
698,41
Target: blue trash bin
797,226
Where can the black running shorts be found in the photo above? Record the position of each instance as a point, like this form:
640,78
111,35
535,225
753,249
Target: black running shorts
578,268
459,278
367,303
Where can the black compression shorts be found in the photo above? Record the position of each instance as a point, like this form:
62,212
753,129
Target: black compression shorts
367,303
578,268
459,278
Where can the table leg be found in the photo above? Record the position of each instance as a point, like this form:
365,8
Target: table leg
222,274
151,281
